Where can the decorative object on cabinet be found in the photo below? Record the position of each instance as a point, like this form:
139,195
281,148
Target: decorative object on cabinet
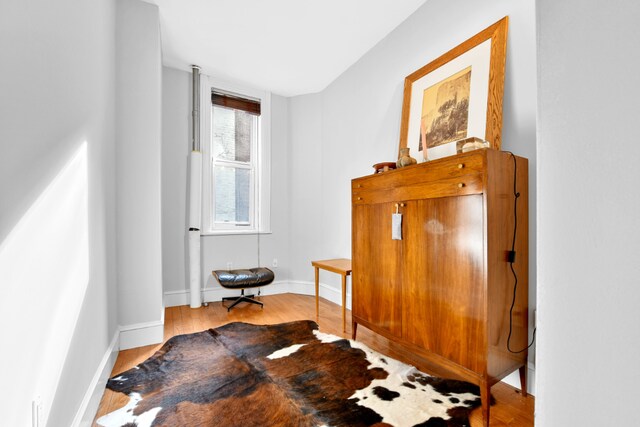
384,167
444,292
470,144
405,159
456,96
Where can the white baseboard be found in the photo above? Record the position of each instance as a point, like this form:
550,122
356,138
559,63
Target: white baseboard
89,406
142,334
290,287
334,295
176,298
327,292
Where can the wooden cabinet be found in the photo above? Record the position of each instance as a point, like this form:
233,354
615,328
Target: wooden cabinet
445,290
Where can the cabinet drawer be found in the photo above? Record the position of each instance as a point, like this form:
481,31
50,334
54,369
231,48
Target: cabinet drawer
452,176
451,186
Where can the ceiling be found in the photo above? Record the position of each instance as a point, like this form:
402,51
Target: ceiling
289,47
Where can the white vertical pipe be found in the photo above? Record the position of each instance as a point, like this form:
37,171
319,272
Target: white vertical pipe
195,114
195,190
194,268
195,197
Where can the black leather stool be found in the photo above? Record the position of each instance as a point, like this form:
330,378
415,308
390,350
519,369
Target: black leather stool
242,279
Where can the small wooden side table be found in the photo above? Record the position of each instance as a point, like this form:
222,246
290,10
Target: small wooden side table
341,266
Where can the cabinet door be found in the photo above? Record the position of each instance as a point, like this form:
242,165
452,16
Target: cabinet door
376,265
443,296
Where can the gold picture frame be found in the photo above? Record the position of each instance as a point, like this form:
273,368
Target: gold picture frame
456,96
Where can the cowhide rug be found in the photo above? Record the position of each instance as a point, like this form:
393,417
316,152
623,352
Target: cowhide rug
282,375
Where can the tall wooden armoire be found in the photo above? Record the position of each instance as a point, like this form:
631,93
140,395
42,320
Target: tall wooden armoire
444,291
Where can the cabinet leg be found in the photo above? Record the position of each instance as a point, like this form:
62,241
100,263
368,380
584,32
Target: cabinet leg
354,328
523,380
485,395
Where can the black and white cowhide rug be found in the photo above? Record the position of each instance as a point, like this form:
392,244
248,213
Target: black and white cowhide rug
282,375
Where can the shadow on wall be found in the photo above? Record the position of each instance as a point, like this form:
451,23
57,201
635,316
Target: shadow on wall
44,269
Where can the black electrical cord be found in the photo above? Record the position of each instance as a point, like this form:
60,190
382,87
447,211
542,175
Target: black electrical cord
512,253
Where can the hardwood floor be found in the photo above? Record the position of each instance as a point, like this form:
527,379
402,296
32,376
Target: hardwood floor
510,409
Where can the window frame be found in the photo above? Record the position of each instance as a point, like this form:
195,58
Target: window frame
261,181
252,166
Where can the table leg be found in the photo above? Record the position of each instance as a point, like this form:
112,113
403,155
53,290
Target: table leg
317,288
344,303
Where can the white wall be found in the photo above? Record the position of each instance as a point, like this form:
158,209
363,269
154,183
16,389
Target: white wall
588,229
305,186
57,211
138,160
241,251
340,133
176,146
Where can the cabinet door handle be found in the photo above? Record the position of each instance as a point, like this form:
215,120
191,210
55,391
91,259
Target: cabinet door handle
358,198
461,185
460,165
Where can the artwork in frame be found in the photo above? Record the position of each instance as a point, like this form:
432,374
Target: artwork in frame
456,97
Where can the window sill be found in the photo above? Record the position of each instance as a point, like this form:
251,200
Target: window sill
233,232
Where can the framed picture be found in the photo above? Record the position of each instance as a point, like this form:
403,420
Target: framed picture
456,97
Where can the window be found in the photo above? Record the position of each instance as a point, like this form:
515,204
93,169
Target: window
238,184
